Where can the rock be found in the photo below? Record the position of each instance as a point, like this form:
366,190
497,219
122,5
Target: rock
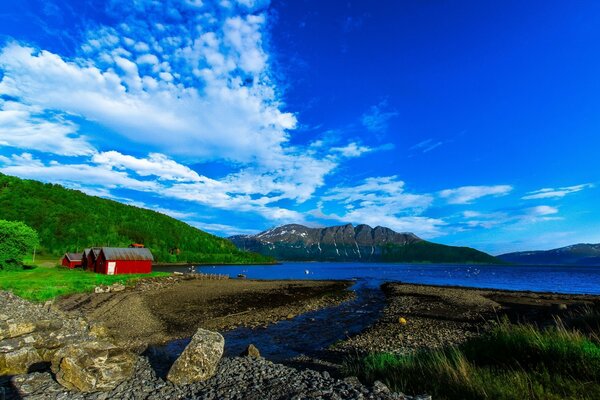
101,289
92,366
380,387
199,359
12,329
117,287
251,351
19,361
40,383
352,380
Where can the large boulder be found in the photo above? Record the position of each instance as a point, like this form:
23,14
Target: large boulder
199,359
92,366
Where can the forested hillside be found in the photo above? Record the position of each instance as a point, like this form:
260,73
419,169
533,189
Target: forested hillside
69,220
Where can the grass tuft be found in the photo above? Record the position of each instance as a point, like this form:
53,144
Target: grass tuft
510,362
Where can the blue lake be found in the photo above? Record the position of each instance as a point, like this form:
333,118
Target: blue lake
560,279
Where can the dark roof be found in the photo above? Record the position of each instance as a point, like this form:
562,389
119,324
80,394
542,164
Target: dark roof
127,253
73,256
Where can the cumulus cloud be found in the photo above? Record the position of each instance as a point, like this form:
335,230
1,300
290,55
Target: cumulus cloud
200,88
547,193
156,164
26,127
186,82
382,201
73,175
466,194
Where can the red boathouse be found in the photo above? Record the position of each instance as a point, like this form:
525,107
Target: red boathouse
115,260
71,260
88,259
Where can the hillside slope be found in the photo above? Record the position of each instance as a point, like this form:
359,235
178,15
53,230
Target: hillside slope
577,254
348,243
69,220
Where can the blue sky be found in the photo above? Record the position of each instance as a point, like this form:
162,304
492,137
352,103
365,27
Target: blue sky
470,123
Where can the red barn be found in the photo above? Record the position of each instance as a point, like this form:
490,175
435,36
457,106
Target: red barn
71,260
88,260
115,260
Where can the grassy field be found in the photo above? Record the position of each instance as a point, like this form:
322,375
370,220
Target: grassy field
43,283
510,362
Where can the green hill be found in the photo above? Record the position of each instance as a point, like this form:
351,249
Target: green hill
69,220
435,253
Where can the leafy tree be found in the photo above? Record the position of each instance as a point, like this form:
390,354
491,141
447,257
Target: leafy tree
16,240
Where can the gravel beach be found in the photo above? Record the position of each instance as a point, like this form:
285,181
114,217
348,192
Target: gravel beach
437,316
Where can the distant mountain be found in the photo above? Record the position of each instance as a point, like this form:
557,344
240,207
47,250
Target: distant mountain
348,243
68,220
577,254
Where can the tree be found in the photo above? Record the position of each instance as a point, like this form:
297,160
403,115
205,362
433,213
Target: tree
16,240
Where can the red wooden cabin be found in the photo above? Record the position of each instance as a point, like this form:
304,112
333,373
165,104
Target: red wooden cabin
115,260
88,259
71,260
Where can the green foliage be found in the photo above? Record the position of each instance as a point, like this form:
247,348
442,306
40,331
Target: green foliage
435,253
69,221
16,239
510,362
40,284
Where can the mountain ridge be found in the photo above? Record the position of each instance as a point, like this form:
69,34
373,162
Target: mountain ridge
295,242
575,254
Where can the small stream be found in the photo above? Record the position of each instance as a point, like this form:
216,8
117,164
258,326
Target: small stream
307,334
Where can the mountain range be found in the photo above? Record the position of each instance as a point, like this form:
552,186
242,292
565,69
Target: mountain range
349,243
577,254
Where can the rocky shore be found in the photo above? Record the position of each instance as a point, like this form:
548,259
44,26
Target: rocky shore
423,316
38,360
240,378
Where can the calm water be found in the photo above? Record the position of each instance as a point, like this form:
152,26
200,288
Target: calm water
581,280
310,333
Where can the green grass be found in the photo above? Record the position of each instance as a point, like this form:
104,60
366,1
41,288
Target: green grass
42,283
510,362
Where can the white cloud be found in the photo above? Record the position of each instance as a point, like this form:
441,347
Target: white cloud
547,193
156,164
352,150
73,175
381,201
531,215
25,127
222,229
377,118
466,194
